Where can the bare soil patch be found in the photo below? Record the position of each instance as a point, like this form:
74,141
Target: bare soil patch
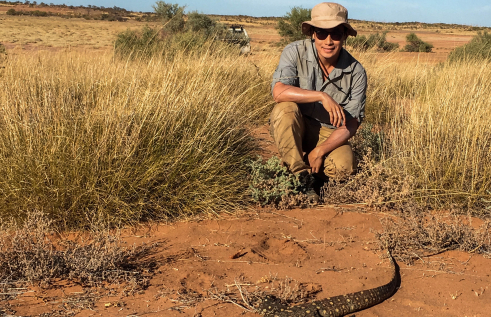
329,250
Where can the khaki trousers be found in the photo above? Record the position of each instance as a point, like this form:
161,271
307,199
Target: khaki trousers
295,134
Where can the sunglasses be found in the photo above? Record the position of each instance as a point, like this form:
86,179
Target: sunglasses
336,34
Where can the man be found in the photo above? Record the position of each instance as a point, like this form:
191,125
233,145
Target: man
320,93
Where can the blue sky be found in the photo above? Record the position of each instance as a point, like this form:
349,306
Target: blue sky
475,13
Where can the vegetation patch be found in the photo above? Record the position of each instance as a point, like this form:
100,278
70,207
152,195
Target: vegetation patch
198,33
374,41
417,235
130,141
290,26
415,44
271,181
479,48
32,253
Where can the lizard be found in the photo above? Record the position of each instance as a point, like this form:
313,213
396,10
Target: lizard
336,306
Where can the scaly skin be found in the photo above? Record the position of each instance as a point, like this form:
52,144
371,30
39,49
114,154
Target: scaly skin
334,306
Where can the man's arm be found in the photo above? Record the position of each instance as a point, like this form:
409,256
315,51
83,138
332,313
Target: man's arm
337,138
286,93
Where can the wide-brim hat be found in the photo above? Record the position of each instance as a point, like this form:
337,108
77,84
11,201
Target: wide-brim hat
328,15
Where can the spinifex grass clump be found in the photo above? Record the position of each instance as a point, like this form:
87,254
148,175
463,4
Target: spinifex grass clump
86,134
150,42
436,121
271,181
478,48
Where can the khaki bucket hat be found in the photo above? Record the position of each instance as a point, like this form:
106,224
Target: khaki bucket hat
328,15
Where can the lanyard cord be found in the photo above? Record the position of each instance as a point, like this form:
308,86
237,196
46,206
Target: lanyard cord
329,81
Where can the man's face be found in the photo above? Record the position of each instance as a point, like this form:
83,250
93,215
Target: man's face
329,42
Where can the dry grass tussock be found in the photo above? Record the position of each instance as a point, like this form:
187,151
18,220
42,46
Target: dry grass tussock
88,134
416,235
33,253
432,125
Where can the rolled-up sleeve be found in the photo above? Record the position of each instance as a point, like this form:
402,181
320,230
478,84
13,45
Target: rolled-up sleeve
355,108
286,72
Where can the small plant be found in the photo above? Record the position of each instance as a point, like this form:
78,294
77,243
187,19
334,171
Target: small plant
271,181
290,26
478,48
368,141
415,44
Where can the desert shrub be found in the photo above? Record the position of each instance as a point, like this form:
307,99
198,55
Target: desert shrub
376,40
416,235
358,42
368,141
87,134
38,13
375,185
32,253
210,28
478,48
200,22
11,12
270,181
138,44
172,15
150,42
290,26
415,44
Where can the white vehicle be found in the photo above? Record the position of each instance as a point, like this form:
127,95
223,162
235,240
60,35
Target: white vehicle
239,36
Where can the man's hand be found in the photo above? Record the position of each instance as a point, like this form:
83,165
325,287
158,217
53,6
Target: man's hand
336,112
316,160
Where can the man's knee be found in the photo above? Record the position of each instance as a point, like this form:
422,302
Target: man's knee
284,109
285,115
340,163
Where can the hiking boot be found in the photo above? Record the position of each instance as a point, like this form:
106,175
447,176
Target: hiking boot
308,184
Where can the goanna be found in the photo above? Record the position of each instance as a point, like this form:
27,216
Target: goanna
334,306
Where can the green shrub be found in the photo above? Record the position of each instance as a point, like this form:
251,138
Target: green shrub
271,181
139,44
415,44
290,26
376,40
478,48
199,22
38,13
11,12
368,141
172,15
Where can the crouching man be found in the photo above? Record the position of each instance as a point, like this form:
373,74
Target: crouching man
320,93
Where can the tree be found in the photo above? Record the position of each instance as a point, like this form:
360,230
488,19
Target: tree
290,26
172,15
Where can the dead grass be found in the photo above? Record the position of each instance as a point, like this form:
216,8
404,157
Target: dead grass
416,235
83,134
60,32
436,125
34,253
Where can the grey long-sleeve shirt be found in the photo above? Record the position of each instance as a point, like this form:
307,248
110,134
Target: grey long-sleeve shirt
346,84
